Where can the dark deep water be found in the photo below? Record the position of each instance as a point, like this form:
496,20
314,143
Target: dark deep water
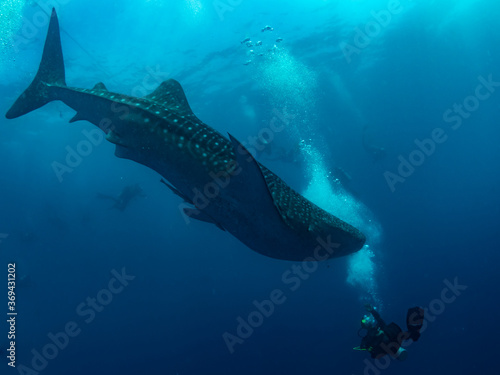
427,73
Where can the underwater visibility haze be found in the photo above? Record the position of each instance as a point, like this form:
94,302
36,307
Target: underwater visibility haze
352,145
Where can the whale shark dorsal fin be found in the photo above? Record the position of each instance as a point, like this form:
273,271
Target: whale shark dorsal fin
170,94
100,86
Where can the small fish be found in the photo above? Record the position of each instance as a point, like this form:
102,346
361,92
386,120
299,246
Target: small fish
247,62
245,40
267,27
259,43
279,40
249,44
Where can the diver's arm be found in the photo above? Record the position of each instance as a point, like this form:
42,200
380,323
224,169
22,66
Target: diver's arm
378,318
376,315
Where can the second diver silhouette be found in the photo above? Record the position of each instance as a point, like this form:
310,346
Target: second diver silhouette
128,193
377,152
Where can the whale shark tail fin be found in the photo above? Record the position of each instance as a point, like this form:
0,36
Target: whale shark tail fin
50,72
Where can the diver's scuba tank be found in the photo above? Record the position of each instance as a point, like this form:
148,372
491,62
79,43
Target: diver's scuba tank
401,354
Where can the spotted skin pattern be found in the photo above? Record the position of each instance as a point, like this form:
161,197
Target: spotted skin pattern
216,176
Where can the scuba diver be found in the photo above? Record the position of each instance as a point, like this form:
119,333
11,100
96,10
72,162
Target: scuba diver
376,152
382,339
128,194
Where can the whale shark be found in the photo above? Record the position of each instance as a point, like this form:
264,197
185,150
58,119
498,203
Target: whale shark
218,179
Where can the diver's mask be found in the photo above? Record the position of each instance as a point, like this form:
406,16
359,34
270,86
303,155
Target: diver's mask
367,323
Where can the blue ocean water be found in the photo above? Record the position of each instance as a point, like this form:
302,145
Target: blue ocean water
389,114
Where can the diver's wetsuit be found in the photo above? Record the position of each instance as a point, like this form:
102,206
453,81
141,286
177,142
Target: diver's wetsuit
382,339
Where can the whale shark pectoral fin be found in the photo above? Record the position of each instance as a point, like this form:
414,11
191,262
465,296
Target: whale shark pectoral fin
192,212
78,117
251,183
175,191
201,216
115,138
122,152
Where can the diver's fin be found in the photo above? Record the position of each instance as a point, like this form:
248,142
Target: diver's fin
415,321
50,72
